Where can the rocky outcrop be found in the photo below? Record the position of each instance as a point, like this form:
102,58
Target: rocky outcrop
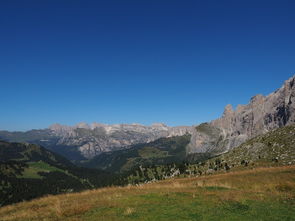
96,138
262,114
87,141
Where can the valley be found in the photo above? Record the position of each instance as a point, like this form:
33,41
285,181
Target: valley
28,171
147,110
160,152
233,166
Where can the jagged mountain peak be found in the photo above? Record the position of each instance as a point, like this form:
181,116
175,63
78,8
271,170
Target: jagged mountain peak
228,110
290,82
83,125
159,125
58,127
262,114
259,98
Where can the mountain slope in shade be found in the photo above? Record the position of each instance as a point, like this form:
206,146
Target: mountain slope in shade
28,171
262,114
159,152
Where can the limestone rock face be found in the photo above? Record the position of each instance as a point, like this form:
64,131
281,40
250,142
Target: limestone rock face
262,114
96,138
88,140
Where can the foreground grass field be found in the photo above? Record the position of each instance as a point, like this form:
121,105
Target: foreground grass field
256,194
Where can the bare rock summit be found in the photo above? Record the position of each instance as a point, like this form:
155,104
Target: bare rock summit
262,114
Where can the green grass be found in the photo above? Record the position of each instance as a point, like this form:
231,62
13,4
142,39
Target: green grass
208,129
151,152
130,163
217,188
33,169
260,194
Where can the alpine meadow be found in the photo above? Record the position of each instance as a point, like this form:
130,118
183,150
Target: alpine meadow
147,110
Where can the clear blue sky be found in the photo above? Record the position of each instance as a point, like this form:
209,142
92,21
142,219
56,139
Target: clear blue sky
177,62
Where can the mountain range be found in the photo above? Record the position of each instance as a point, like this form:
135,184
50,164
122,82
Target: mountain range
62,159
84,141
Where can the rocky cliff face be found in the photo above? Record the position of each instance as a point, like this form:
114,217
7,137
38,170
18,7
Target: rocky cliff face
97,138
262,114
91,140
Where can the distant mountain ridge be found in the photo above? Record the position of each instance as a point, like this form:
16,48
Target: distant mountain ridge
84,141
159,152
262,114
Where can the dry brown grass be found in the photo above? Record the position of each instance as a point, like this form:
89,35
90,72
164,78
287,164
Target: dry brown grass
129,211
255,184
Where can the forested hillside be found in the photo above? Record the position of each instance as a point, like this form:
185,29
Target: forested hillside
159,152
28,171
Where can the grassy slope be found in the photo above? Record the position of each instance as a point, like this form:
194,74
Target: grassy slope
257,194
35,168
275,148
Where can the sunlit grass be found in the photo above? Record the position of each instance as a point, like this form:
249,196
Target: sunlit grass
33,169
257,194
